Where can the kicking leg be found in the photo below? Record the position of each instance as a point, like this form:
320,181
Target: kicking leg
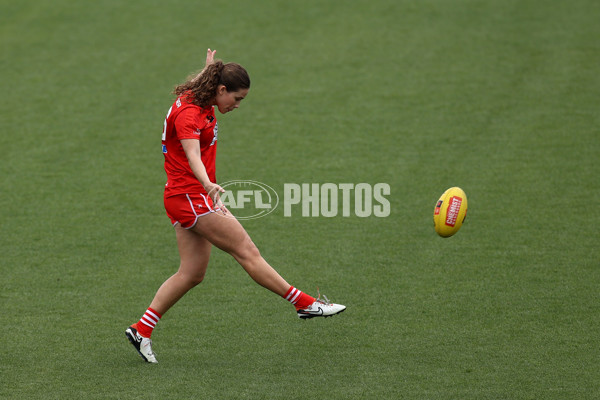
227,233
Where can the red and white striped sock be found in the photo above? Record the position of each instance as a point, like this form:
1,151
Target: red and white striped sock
298,298
147,323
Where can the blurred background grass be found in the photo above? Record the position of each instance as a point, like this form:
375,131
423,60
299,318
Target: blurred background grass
498,98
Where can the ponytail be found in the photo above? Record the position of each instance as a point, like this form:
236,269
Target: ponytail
201,89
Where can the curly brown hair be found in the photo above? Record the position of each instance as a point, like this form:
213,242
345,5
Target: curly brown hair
201,89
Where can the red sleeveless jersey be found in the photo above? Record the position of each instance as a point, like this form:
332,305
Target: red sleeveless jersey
188,121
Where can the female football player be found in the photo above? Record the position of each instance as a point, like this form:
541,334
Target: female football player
192,201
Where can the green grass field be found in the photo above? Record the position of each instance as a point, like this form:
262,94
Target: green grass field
500,98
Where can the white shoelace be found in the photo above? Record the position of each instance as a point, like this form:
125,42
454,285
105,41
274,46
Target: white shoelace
319,297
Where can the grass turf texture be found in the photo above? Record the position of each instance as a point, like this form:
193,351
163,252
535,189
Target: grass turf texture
499,98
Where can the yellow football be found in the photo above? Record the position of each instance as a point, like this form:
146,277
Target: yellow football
450,212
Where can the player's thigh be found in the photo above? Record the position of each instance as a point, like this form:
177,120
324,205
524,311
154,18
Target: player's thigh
194,251
226,233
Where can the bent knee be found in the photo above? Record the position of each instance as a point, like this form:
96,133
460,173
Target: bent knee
247,251
191,279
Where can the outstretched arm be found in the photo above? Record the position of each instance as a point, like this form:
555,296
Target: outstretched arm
210,56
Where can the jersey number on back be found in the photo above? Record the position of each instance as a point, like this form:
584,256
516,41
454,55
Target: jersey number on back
164,135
